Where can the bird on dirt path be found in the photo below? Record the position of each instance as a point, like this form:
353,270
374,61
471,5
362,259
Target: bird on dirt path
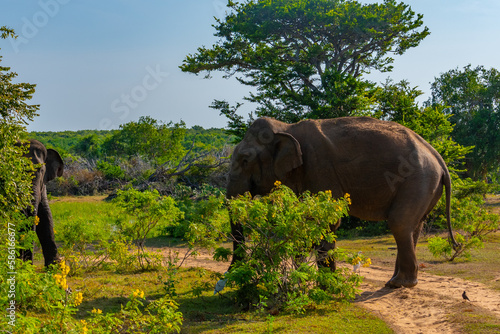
464,296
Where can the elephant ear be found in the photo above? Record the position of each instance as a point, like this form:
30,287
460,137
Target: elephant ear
288,154
54,165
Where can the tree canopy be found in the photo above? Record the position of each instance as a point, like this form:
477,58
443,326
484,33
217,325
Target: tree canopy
473,98
306,58
149,138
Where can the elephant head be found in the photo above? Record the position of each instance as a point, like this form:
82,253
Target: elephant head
266,154
49,165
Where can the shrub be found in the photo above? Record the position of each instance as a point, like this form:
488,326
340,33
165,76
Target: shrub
150,213
110,171
277,270
470,220
204,212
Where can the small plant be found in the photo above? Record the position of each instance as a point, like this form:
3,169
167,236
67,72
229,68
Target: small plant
149,213
47,293
278,271
471,221
159,316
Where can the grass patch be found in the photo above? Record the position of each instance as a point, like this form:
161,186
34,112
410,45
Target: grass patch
474,320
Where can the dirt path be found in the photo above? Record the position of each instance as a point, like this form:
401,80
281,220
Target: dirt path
423,309
426,307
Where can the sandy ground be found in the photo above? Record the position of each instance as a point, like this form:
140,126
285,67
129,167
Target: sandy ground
423,309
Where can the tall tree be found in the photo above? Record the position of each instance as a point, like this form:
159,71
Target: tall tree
473,98
306,58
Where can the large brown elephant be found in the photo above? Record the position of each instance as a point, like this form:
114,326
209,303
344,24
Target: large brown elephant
390,172
51,167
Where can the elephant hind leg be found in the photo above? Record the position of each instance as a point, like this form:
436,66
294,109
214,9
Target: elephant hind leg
406,267
415,235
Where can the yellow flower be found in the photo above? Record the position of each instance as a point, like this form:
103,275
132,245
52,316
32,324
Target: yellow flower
37,220
328,192
96,311
78,298
277,183
347,196
367,263
84,328
64,268
61,281
138,293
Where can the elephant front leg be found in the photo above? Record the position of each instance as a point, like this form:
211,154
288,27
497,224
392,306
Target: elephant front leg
45,233
238,240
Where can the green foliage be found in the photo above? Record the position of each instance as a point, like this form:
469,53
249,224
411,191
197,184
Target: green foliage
45,292
305,58
148,138
149,214
277,270
205,216
159,316
85,231
473,98
110,171
15,112
471,221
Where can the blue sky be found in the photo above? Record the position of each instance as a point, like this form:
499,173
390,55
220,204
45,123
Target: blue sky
99,64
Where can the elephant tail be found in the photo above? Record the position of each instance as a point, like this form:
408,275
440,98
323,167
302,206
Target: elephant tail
447,186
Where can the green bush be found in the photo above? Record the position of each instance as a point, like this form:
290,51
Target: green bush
204,212
148,214
278,270
110,171
470,220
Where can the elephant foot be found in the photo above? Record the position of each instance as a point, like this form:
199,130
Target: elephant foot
396,282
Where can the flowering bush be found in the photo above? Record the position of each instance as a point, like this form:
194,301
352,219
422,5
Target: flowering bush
278,270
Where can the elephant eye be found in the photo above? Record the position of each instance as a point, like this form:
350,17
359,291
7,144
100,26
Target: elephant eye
244,163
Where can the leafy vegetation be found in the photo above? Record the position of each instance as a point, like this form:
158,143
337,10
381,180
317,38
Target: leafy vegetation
306,58
276,270
472,96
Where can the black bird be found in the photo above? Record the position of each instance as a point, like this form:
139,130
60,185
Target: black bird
464,296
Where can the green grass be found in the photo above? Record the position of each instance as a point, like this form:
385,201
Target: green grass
93,211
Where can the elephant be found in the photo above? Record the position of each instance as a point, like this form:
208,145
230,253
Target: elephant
390,172
51,166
